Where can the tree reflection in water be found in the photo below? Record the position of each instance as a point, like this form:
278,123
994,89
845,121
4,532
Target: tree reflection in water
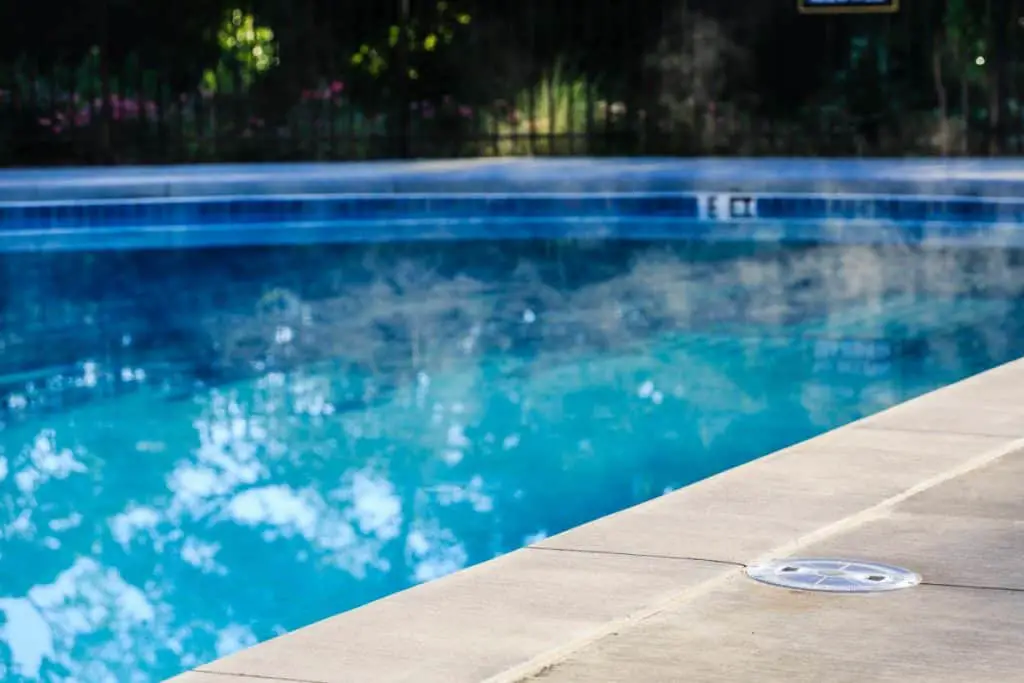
230,445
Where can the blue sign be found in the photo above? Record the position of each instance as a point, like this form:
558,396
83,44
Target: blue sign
847,6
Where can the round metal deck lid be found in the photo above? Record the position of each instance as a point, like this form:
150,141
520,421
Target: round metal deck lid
833,575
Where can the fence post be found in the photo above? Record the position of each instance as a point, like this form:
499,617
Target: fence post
1000,15
402,146
104,156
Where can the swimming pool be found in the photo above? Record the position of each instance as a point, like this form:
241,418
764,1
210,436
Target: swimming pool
203,449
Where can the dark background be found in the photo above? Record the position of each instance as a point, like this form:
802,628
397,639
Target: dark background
155,81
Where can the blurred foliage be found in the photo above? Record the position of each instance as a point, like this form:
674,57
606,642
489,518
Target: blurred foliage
247,50
420,37
334,79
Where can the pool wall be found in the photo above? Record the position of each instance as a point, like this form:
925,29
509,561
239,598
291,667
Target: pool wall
977,202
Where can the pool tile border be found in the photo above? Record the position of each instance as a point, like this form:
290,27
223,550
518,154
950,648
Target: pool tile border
961,201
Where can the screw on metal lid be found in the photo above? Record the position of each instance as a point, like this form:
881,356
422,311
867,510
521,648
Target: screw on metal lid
833,575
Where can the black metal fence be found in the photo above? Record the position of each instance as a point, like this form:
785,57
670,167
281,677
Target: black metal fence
113,81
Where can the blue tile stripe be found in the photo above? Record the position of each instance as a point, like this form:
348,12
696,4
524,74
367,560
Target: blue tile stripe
959,201
241,210
889,208
437,208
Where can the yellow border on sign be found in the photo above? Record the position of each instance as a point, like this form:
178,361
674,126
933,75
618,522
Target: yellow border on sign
839,9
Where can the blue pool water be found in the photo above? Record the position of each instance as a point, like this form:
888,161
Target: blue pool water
202,449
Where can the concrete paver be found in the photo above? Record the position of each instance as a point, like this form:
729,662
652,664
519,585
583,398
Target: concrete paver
968,531
988,403
750,632
966,624
993,492
494,617
946,550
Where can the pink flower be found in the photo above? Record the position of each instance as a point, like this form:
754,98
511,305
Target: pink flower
306,95
465,112
337,87
82,117
45,122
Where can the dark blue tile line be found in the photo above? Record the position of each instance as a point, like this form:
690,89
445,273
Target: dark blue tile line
422,209
892,208
245,210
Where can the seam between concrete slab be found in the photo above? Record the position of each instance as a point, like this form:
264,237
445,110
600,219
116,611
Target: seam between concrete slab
554,656
253,677
972,587
650,556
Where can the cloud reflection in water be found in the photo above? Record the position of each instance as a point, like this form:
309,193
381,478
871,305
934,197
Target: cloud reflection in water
406,427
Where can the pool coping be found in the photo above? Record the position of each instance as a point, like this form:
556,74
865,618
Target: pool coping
970,177
971,202
556,603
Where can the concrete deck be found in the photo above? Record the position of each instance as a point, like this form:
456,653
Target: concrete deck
657,592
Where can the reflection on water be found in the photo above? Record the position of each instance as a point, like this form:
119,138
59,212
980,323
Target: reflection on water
201,450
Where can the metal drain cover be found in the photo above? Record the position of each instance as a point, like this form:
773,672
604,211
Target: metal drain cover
833,575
